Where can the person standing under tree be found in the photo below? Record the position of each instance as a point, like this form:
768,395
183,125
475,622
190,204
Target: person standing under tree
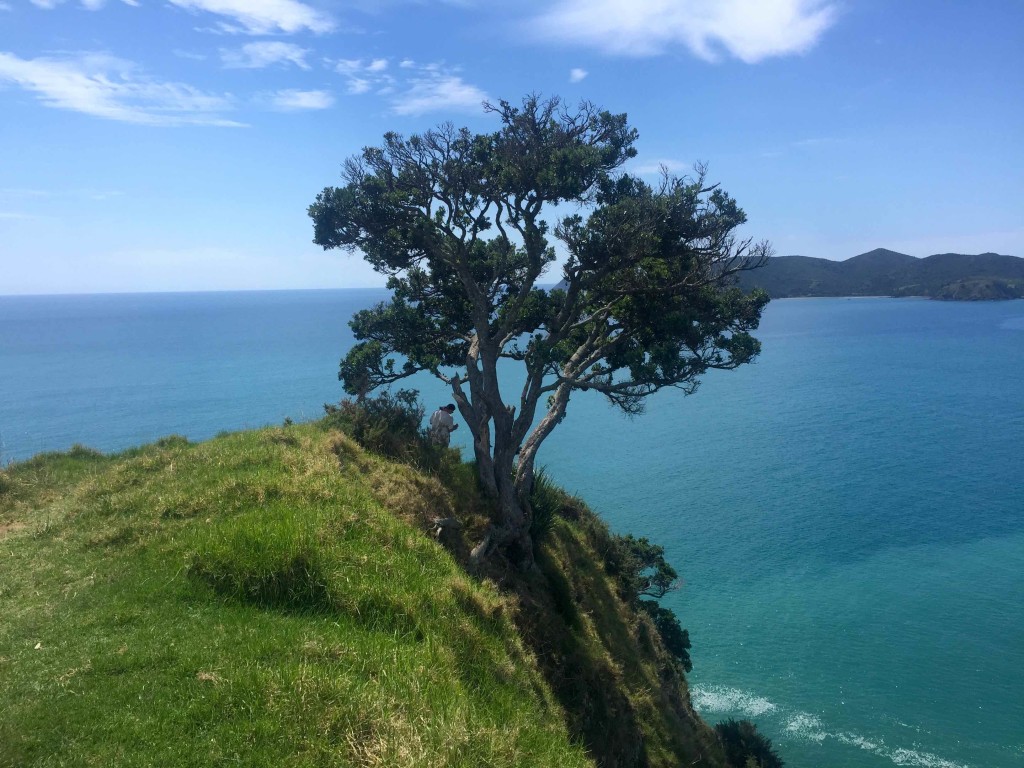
442,425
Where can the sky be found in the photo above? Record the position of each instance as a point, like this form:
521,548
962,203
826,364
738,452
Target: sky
175,145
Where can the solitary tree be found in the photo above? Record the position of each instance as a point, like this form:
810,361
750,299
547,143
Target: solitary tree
455,220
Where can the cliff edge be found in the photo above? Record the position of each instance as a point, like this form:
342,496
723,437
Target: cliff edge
283,597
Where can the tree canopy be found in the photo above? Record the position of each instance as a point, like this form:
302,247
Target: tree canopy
457,222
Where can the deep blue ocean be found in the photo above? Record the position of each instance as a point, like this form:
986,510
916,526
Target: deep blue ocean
847,513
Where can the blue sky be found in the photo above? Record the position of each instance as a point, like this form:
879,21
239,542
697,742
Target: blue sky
151,145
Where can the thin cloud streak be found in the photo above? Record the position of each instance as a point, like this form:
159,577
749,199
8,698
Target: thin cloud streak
264,54
362,77
294,100
262,17
749,30
412,89
438,91
110,88
658,167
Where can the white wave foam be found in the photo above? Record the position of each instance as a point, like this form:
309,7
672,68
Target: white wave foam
806,726
921,759
718,698
714,699
856,740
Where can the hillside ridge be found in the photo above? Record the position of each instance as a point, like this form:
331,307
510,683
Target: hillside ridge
883,272
286,597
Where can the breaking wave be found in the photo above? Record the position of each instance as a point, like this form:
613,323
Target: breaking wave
717,699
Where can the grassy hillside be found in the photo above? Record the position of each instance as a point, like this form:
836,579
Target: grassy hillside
279,598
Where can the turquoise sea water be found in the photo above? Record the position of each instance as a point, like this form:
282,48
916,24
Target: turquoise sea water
848,513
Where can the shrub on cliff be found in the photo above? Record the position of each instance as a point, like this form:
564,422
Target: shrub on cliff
388,423
745,747
675,638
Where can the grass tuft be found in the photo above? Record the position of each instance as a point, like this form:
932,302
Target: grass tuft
270,560
546,499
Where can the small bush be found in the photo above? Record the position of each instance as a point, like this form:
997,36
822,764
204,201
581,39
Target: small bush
388,424
745,747
673,636
172,441
79,451
640,568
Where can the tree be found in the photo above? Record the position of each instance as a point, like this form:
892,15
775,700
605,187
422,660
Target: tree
455,220
675,638
641,568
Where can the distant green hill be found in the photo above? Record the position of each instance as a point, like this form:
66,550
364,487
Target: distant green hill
881,272
280,597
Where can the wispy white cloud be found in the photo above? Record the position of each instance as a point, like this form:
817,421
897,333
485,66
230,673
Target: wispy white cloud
433,90
576,74
358,85
262,17
15,215
264,54
364,76
750,30
411,89
5,7
104,86
294,100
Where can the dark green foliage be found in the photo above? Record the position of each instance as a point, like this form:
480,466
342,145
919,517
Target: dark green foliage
887,273
546,499
745,747
675,638
980,289
640,568
389,424
463,227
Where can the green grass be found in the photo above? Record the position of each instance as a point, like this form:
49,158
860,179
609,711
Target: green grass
273,598
244,601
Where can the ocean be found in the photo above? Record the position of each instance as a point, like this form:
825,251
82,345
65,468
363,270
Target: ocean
847,513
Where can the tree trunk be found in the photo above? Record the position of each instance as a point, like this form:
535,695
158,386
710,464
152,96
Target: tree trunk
528,451
484,461
496,467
